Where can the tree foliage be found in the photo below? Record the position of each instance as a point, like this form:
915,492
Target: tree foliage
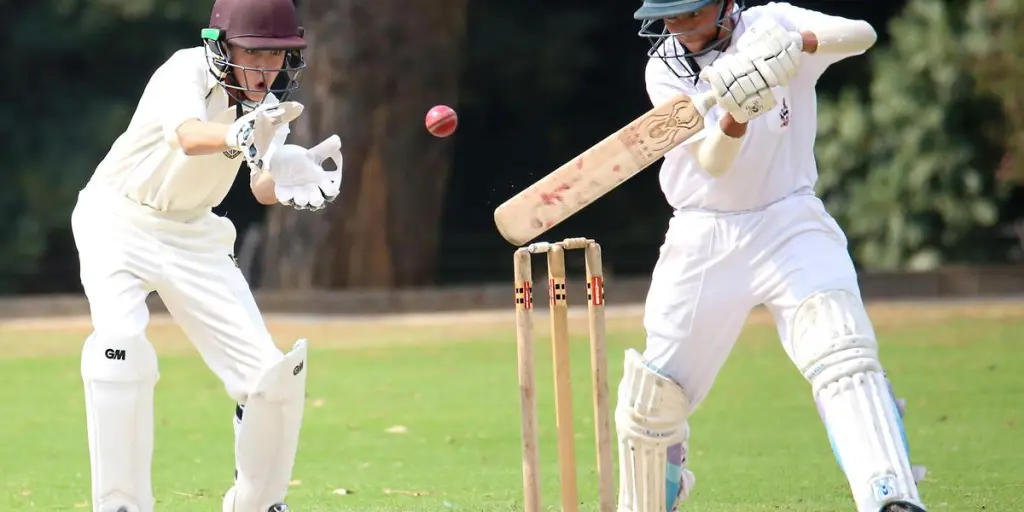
541,81
75,72
374,72
999,70
909,171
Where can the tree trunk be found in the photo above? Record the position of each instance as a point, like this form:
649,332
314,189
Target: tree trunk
374,68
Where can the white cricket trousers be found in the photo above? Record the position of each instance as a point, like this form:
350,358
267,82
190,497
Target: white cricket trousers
127,251
714,268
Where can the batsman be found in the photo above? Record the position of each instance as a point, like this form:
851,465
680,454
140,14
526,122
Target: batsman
748,230
144,223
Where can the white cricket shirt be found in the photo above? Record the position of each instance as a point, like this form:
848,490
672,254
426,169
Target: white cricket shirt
145,163
777,156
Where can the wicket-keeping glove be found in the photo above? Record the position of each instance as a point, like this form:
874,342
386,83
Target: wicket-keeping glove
300,180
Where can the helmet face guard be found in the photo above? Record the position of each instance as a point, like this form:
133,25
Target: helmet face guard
218,58
665,44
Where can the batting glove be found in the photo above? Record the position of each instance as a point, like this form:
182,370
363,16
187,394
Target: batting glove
300,180
739,87
774,51
253,134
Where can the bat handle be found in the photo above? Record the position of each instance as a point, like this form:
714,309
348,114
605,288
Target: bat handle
703,101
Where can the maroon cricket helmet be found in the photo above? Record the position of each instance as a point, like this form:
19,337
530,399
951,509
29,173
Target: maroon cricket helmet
255,25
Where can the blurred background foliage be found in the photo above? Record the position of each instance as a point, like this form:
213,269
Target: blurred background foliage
920,141
910,167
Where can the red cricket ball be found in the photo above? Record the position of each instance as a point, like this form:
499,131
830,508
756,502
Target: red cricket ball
441,121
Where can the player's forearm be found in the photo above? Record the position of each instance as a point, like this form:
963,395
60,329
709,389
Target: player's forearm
197,137
719,149
839,36
731,127
262,186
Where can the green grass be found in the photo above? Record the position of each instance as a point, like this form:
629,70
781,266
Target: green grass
757,443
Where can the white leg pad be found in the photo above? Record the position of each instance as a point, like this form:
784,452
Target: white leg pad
268,435
835,348
650,417
119,375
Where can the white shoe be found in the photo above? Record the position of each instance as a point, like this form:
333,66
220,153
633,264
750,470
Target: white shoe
229,503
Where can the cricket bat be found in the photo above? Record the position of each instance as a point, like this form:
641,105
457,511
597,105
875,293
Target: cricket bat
600,169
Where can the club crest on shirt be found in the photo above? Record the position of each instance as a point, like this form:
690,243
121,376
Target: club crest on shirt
784,114
232,153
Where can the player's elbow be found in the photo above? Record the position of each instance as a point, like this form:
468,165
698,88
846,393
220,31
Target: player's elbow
870,35
862,34
847,37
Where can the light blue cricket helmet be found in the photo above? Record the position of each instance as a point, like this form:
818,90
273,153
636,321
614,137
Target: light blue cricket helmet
663,45
658,9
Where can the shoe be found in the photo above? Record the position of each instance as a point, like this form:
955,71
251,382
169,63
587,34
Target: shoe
229,503
901,507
